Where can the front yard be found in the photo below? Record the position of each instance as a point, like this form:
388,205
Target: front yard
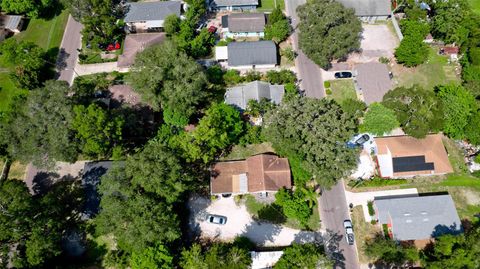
269,5
341,89
363,230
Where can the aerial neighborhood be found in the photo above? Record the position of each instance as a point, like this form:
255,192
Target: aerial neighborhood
241,134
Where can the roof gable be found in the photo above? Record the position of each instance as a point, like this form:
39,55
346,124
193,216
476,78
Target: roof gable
256,90
151,11
246,22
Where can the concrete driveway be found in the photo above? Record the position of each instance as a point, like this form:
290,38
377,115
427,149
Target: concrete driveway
68,55
377,41
240,223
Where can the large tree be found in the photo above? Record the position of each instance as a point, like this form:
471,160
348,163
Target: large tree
306,256
167,78
136,219
219,255
39,130
449,28
387,253
32,8
379,120
328,31
313,132
278,27
157,257
412,51
459,105
419,111
220,128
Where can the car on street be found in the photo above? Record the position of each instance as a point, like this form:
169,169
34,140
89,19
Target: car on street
217,219
343,74
347,224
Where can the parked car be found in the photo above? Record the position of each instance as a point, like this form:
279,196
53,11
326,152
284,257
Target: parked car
343,74
212,29
347,224
217,219
362,139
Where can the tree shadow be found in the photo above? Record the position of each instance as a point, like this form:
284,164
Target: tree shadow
304,237
90,179
332,248
261,233
272,213
62,57
454,229
43,181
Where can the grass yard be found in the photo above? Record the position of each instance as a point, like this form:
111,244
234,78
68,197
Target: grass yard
363,231
8,91
435,71
269,5
342,89
240,152
17,170
475,4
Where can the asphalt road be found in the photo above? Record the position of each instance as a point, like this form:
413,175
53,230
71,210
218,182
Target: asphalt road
308,72
68,54
333,211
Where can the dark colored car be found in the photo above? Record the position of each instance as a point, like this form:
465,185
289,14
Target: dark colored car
362,139
343,75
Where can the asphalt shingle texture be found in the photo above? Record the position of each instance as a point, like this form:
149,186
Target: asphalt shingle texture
252,53
151,11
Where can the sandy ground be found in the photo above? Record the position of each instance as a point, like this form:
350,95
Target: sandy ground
377,41
240,223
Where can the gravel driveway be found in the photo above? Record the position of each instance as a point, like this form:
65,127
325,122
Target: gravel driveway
240,223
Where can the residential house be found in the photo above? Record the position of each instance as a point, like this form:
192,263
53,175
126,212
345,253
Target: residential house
10,24
372,81
135,43
406,156
369,10
149,16
418,218
243,25
231,5
248,55
239,96
257,174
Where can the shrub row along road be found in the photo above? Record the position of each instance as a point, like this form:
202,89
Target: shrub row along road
308,72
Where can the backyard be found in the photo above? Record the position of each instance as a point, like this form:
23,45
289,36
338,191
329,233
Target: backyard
269,5
341,89
435,71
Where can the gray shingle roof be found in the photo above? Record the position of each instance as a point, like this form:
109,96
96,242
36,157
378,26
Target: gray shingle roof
246,22
373,80
227,3
368,7
256,90
420,217
151,11
252,53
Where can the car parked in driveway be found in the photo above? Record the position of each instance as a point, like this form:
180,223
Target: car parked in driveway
343,74
347,224
217,219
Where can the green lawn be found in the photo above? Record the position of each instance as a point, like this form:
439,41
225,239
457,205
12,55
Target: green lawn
435,71
269,5
8,91
342,89
475,4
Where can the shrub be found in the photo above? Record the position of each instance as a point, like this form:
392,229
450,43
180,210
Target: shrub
373,221
326,84
288,53
328,91
384,60
252,76
371,210
232,77
477,158
281,77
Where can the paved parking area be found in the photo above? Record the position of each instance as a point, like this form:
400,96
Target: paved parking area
377,41
240,223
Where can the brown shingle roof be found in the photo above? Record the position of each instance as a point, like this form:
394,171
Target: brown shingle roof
403,146
265,172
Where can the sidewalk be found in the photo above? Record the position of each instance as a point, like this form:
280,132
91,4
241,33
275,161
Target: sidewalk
88,69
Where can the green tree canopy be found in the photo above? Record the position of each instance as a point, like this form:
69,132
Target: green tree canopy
379,120
220,128
412,51
157,257
306,256
167,78
328,31
293,205
39,130
171,25
98,129
451,29
219,255
313,132
278,26
32,8
388,253
136,219
419,111
459,105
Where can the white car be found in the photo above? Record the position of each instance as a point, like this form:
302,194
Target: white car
216,219
347,224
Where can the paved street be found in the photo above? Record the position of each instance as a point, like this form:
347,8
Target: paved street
68,55
309,73
333,211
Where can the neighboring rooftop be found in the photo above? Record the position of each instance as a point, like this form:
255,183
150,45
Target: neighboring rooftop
151,11
135,43
256,90
264,172
408,156
11,22
417,218
252,53
373,80
245,22
368,7
228,3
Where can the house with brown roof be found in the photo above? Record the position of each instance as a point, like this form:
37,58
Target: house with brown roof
406,156
259,173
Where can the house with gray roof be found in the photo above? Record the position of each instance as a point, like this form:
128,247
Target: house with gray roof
243,25
257,90
248,55
232,5
149,16
369,10
418,217
372,81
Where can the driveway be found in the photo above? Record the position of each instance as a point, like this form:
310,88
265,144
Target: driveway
377,41
240,223
68,55
309,74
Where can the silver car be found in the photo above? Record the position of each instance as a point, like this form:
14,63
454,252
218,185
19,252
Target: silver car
216,219
347,224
